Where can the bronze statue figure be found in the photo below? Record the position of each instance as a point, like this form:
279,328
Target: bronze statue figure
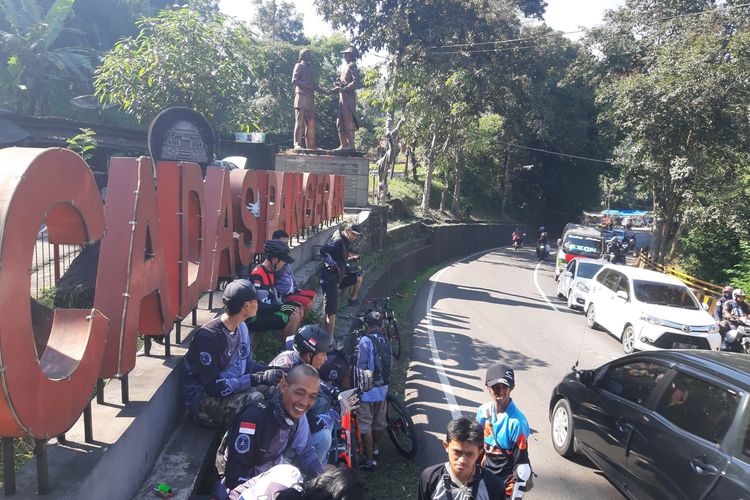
349,81
304,101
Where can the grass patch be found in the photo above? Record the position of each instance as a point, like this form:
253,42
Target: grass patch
23,451
397,477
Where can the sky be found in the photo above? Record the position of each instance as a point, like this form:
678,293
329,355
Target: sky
563,15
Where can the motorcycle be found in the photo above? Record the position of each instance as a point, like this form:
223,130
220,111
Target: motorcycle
542,251
737,339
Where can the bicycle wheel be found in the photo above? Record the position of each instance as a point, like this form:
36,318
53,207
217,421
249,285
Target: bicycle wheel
391,331
400,427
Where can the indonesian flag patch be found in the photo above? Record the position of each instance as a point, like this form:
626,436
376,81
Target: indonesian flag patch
247,428
313,342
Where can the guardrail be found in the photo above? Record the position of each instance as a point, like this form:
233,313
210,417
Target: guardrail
707,293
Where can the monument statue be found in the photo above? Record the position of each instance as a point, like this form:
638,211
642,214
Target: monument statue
304,101
349,81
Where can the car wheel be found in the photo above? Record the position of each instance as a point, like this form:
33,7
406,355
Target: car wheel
628,340
570,299
560,294
591,318
562,428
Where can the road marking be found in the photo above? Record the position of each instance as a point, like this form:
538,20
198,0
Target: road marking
539,288
450,397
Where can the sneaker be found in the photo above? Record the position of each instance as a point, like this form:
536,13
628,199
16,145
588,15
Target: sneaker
368,466
375,452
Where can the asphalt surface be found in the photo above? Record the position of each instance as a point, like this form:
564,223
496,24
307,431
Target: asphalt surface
502,306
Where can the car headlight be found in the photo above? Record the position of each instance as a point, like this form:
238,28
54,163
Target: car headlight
652,320
582,287
713,328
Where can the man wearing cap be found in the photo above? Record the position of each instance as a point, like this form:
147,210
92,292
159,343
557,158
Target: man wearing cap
374,354
506,432
219,375
349,81
305,87
337,274
274,313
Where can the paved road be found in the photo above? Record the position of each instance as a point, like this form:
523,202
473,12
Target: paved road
489,308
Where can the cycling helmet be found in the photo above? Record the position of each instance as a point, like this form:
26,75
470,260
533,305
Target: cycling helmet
277,249
738,293
373,318
541,228
334,369
727,288
312,338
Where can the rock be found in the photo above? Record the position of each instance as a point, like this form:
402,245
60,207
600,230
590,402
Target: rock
397,209
77,286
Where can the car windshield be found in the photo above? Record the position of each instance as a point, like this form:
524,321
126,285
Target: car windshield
588,269
664,294
582,245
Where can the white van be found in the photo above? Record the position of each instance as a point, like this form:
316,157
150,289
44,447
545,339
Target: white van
648,310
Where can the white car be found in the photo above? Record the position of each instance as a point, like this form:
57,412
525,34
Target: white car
575,281
648,310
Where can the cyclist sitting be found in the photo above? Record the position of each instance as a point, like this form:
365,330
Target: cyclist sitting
374,353
286,284
311,346
271,432
274,313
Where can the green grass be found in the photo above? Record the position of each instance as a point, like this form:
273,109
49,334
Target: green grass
23,452
397,477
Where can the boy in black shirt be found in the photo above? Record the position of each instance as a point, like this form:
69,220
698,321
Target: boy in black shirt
461,478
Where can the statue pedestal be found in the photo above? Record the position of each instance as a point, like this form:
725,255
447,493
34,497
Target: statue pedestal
355,169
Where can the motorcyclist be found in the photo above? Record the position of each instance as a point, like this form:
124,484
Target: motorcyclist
542,242
735,312
617,250
517,235
719,308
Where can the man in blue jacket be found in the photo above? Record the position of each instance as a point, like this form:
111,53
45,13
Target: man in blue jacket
220,376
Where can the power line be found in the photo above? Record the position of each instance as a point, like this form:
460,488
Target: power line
553,34
609,162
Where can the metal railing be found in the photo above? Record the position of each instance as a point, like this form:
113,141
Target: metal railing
706,292
50,261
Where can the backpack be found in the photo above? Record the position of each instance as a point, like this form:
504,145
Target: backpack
383,359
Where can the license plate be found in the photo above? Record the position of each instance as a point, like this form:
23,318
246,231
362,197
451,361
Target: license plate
682,345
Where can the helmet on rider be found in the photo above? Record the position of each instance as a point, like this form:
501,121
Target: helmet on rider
312,343
541,228
374,319
277,249
738,293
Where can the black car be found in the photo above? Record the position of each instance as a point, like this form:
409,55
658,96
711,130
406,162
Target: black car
661,424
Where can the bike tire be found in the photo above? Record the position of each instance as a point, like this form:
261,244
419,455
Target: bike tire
401,428
391,331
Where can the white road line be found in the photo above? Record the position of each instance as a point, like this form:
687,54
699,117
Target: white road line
444,382
539,288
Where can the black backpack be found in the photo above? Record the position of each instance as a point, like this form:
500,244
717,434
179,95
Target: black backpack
383,359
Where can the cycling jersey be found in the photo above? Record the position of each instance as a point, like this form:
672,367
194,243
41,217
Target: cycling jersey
218,363
439,483
505,440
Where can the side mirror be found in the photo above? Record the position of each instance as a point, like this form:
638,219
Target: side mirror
586,377
559,242
569,274
623,295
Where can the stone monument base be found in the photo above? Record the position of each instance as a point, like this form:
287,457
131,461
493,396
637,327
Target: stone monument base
355,169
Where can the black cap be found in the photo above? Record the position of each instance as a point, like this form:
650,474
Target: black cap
277,249
356,229
239,291
500,374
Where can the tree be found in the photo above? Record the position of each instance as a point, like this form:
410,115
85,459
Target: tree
33,62
277,20
679,103
182,58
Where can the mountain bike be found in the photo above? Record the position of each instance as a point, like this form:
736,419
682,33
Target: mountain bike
390,324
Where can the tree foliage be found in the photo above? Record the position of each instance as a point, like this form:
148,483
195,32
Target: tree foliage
182,58
278,21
